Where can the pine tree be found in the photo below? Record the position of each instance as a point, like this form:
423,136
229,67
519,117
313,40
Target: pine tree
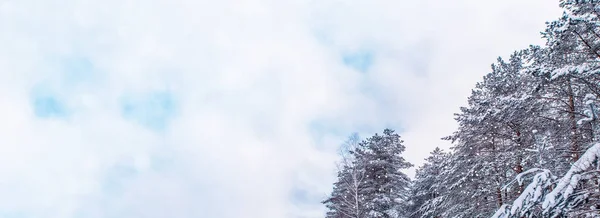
568,72
387,186
495,130
426,191
370,181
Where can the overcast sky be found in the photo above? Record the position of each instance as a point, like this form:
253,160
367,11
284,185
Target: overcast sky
228,108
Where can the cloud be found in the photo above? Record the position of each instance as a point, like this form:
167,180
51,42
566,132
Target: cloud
230,108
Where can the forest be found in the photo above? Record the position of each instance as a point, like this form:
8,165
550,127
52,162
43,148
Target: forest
526,144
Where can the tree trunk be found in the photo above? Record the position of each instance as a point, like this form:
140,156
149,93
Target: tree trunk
519,166
499,196
573,121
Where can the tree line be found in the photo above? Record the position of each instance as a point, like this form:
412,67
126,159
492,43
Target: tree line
526,143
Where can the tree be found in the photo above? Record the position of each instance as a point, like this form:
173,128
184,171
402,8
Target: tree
387,189
569,73
347,198
426,191
370,179
526,142
490,146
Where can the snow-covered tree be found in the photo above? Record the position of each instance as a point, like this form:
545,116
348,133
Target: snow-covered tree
526,143
347,198
491,145
569,73
426,190
370,179
387,190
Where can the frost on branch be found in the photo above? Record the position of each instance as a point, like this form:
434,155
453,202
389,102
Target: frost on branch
563,197
531,196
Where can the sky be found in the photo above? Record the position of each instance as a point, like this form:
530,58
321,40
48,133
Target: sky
230,108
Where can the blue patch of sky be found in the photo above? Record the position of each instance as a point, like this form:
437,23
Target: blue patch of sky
77,69
152,110
361,61
47,104
49,98
323,37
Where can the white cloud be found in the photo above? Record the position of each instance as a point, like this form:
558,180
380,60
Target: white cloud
249,79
